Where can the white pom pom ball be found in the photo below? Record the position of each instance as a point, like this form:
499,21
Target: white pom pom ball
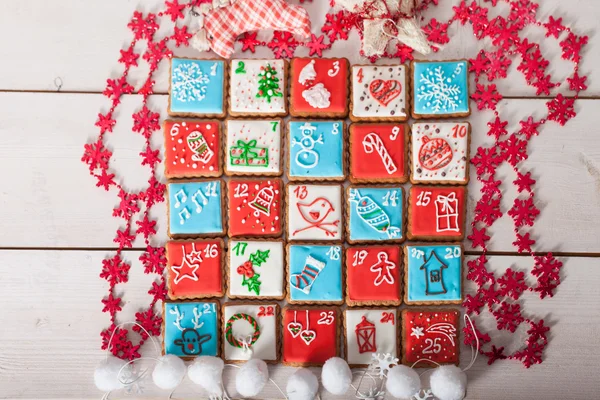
403,382
336,376
448,382
302,385
207,372
252,378
168,372
106,374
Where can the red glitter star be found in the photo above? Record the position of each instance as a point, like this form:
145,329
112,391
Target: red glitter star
95,155
577,83
486,160
115,88
486,96
127,206
524,182
105,180
514,149
512,284
336,25
105,122
154,260
437,32
547,270
487,210
479,64
146,227
477,272
533,64
158,291
249,41
146,122
129,57
495,354
150,321
523,212
174,9
403,52
112,305
538,331
543,85
478,238
523,243
554,27
490,186
155,193
572,45
560,109
316,45
283,44
529,128
181,36
143,28
124,239
508,316
473,304
498,65
150,157
497,128
115,270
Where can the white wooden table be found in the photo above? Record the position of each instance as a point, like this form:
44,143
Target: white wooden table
56,225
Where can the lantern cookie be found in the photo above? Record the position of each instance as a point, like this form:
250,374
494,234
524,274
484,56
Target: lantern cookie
258,88
196,208
319,87
440,89
191,329
373,276
315,274
378,153
197,88
253,147
369,331
192,148
314,212
430,335
310,335
250,330
195,268
316,150
254,207
440,152
436,213
375,214
379,93
256,269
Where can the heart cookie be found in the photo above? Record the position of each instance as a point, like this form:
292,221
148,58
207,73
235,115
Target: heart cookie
294,328
384,91
308,336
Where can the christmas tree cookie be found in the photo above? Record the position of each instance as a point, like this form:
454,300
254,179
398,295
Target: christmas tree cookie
436,213
191,328
253,147
254,207
369,331
375,214
314,212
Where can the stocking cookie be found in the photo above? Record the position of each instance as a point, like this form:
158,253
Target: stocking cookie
191,329
379,93
254,207
369,331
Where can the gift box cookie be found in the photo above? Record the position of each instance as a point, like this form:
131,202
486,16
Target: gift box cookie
191,328
254,207
375,214
436,213
368,331
314,212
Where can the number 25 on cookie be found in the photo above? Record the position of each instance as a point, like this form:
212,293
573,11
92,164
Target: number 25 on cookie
423,199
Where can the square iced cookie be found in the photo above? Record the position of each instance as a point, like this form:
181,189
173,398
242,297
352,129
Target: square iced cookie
378,153
373,276
314,212
440,89
430,335
315,274
316,150
319,87
256,269
433,274
196,208
375,214
369,331
436,213
191,328
310,335
254,207
258,87
197,88
379,93
250,330
192,148
440,152
253,147
195,268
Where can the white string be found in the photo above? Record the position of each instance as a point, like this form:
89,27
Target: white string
245,341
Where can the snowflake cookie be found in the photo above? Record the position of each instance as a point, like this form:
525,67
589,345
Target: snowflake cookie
440,89
379,93
430,335
369,331
195,208
433,274
192,148
310,335
440,152
319,87
253,147
195,268
375,214
315,273
436,213
258,87
256,269
191,328
254,207
314,212
316,150
250,330
373,275
378,153
197,88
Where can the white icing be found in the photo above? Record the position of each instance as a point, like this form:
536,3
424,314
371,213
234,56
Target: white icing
308,73
299,228
368,106
317,96
385,333
265,347
262,132
372,142
244,87
455,171
271,272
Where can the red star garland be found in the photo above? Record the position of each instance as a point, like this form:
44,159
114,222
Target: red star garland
283,44
316,45
249,41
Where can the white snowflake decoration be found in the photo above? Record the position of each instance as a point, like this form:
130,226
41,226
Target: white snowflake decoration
440,92
424,395
383,363
189,82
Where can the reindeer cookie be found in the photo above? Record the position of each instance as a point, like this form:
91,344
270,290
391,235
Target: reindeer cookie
191,329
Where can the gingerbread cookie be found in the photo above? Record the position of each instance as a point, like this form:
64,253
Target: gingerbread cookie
369,331
254,207
375,214
314,212
436,213
197,88
379,93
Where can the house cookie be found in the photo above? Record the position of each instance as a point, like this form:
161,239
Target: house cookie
436,213
369,331
314,212
254,207
375,214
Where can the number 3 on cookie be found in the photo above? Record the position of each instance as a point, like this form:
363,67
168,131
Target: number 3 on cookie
335,70
327,318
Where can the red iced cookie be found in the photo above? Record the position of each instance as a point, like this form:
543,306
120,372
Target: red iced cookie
430,335
192,148
436,213
254,207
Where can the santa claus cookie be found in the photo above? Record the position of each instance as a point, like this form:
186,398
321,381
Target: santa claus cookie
436,213
254,207
319,87
440,152
379,93
314,212
369,331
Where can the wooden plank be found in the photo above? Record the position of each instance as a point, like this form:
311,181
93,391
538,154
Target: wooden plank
83,56
50,342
